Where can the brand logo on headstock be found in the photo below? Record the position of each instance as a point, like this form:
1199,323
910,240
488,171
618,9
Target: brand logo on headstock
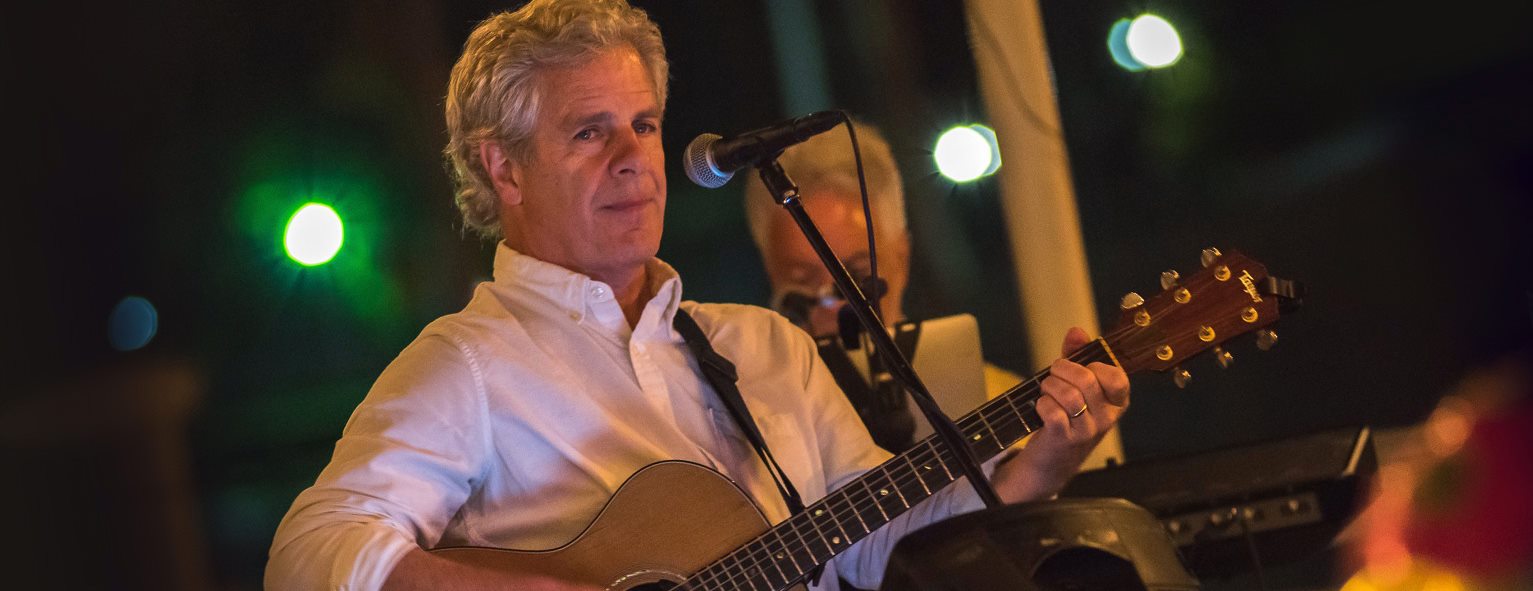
1250,283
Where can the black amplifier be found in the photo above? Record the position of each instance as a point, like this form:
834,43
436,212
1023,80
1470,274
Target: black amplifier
1231,509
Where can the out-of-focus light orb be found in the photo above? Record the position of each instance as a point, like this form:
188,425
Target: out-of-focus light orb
966,153
1153,42
1117,46
314,234
132,324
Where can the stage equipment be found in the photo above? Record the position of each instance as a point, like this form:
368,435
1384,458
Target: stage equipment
1069,544
1234,510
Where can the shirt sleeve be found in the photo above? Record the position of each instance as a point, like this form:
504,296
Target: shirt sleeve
849,451
407,460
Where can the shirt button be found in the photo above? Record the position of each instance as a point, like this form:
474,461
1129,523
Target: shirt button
599,291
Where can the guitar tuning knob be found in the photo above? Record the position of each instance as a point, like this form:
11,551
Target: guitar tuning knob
1210,255
1265,339
1223,357
1180,377
1131,300
1168,279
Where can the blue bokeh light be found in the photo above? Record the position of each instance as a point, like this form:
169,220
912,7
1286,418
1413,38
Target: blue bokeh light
132,324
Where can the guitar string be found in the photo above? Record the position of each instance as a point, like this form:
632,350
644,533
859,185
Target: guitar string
1003,406
757,548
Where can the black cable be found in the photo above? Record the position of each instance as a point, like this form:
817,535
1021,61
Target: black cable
1256,557
877,297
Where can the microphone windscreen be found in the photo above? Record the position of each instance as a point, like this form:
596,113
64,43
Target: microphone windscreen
698,162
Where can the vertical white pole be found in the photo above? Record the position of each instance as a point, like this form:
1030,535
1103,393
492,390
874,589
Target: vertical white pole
1037,196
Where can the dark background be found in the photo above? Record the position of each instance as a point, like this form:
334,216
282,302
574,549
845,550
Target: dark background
1379,153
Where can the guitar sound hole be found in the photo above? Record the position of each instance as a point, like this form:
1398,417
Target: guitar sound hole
658,586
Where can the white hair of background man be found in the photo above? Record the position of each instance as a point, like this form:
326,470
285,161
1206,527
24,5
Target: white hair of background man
825,165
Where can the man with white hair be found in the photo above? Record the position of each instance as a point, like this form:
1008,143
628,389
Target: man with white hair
825,170
509,424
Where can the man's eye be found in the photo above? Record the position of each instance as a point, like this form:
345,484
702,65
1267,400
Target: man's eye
645,127
586,134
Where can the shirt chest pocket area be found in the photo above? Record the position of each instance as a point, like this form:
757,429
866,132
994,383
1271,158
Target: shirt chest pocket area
791,445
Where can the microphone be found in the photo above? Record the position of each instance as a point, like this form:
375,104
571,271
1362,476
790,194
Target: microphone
711,160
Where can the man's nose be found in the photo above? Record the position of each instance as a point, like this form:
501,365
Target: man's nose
629,155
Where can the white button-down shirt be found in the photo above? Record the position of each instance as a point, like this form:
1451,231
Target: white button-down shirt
511,423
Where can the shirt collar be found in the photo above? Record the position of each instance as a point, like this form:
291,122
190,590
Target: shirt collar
580,296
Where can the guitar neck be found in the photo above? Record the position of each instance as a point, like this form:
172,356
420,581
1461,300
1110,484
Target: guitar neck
789,550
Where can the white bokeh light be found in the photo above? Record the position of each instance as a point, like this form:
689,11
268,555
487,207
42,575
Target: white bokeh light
1153,42
966,153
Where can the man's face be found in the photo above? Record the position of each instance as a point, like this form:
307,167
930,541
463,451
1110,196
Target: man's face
792,265
590,195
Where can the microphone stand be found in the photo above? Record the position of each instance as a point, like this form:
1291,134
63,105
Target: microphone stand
786,193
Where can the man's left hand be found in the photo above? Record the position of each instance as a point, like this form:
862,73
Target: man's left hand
1079,405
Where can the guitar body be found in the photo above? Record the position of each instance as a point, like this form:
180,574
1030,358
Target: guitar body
669,520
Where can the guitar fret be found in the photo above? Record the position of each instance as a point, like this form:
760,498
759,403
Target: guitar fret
788,552
732,568
845,539
875,497
894,485
1006,430
748,581
867,507
937,453
829,551
993,437
1012,405
919,479
855,513
754,546
756,565
711,578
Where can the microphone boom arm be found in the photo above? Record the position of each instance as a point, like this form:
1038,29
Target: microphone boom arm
786,193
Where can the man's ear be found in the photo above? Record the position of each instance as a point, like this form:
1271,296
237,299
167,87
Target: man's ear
503,172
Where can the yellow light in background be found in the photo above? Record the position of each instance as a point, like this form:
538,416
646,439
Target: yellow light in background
314,234
1417,576
967,153
1152,42
1449,426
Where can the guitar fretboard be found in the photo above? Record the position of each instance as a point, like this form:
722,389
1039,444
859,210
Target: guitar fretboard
787,552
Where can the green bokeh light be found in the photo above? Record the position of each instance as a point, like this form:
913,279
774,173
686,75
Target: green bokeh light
281,170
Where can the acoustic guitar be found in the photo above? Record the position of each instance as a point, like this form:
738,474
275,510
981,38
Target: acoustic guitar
678,525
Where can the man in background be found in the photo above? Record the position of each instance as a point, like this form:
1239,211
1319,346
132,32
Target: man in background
826,173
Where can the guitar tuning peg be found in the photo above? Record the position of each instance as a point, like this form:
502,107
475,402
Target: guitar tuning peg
1168,279
1180,377
1223,357
1265,339
1131,300
1210,255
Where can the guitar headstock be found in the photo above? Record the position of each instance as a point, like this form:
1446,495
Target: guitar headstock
1232,295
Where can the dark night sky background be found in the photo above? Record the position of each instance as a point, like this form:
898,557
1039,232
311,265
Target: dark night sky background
1378,152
